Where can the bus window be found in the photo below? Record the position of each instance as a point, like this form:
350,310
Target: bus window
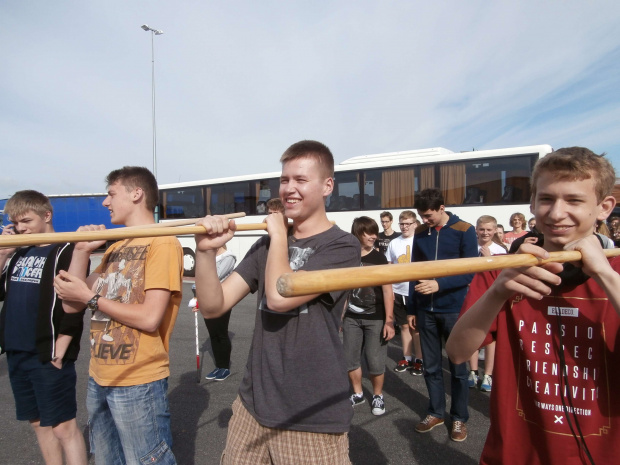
264,189
229,198
499,180
390,188
186,202
452,182
346,194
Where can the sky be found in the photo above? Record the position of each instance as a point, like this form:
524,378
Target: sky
237,82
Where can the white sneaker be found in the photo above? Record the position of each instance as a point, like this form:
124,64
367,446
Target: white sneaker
487,383
472,380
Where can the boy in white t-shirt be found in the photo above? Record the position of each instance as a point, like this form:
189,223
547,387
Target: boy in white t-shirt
399,251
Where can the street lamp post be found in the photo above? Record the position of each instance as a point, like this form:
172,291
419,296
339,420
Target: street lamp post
154,32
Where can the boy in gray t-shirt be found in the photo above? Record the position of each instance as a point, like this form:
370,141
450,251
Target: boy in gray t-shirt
295,384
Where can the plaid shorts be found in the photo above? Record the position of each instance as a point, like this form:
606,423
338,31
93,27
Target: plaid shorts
250,443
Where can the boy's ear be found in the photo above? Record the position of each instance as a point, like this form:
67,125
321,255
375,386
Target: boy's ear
328,187
606,207
137,194
47,217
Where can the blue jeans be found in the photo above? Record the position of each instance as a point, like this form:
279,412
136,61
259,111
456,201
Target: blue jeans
433,328
130,425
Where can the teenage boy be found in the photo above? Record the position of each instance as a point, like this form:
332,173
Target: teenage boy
134,296
368,322
399,251
556,326
41,341
486,228
388,234
435,304
293,405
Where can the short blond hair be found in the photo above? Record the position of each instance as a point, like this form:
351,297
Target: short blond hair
24,201
407,214
484,219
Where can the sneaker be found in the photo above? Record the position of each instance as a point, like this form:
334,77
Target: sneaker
403,365
357,399
418,367
378,406
213,374
487,383
473,379
459,431
428,424
222,374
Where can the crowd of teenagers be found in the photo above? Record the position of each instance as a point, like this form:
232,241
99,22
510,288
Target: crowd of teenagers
549,332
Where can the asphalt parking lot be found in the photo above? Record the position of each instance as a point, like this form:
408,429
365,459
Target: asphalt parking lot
201,410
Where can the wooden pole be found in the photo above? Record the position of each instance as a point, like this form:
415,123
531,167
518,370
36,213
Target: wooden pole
318,282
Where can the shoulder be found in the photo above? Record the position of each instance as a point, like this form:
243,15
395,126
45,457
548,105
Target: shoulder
461,226
422,229
375,257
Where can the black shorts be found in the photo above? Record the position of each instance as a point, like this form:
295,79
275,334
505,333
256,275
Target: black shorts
42,391
400,309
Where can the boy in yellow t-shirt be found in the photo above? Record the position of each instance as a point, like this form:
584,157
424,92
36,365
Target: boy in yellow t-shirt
134,296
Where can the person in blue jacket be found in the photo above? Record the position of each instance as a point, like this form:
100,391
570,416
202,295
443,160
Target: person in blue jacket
434,307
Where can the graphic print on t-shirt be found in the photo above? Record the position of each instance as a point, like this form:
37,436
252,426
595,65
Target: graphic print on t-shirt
539,371
297,257
28,269
363,300
111,342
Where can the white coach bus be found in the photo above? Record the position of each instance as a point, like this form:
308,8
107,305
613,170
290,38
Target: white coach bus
486,182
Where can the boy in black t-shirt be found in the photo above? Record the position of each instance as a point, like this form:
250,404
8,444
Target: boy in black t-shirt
41,341
368,322
388,234
293,404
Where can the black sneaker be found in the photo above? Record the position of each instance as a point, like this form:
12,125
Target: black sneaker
403,365
418,367
378,406
356,400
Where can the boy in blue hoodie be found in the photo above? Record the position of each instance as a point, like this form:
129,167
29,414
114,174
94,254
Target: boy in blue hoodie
434,307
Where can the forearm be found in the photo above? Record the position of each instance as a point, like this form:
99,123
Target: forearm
388,303
62,343
208,287
139,316
79,264
277,265
610,283
473,326
79,269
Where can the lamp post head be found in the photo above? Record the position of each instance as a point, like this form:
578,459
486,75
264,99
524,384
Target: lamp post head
157,32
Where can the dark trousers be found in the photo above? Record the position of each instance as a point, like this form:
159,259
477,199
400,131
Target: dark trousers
435,327
220,342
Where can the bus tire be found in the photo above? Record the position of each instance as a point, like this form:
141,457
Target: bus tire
189,262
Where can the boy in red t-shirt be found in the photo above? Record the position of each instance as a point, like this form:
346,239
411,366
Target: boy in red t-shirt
553,405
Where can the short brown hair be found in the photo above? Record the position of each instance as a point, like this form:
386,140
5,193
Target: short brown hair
137,176
275,204
22,202
311,149
484,219
386,214
362,225
577,164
